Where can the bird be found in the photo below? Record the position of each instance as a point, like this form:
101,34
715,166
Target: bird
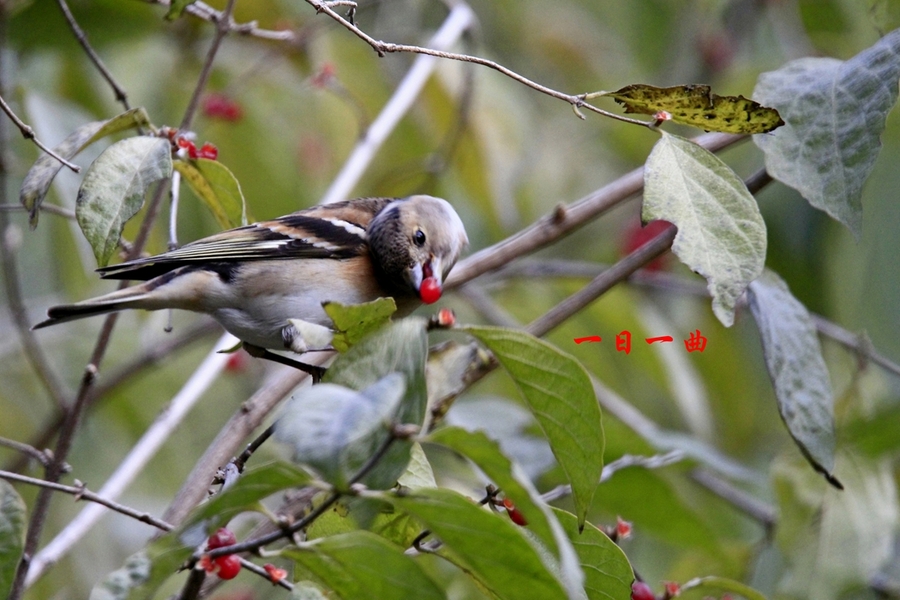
254,279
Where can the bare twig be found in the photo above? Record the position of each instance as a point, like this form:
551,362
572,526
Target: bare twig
82,493
45,207
656,461
132,465
203,11
603,282
459,19
121,96
750,505
382,48
28,134
43,457
223,26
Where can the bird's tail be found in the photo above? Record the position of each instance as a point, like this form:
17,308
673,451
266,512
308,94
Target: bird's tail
132,297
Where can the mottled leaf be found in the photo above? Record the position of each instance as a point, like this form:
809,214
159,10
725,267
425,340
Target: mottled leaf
38,179
335,430
696,105
721,234
120,584
113,189
795,364
559,393
835,113
12,534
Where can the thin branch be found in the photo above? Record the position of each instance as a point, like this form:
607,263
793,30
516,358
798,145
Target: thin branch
459,19
254,544
565,219
748,504
120,94
223,24
136,460
656,461
43,457
82,493
603,282
34,355
28,134
856,342
382,48
45,207
203,11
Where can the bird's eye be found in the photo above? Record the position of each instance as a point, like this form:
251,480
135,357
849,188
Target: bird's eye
419,238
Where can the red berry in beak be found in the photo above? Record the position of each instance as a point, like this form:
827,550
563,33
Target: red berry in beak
430,290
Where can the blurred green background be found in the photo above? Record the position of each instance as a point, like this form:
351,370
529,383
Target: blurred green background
504,155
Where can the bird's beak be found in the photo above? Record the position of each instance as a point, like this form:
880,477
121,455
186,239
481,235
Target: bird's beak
422,271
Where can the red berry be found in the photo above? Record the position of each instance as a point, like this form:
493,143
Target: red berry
514,515
206,563
672,589
228,566
209,151
641,591
446,318
430,290
275,574
222,537
636,236
623,528
220,106
237,362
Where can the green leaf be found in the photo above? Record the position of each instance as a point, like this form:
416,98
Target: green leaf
835,113
354,321
722,584
114,187
306,590
450,365
39,177
335,430
795,364
721,234
607,572
361,564
12,534
488,546
559,393
515,486
400,347
254,485
696,105
419,473
119,584
216,186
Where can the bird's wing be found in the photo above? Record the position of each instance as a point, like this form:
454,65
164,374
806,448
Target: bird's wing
332,231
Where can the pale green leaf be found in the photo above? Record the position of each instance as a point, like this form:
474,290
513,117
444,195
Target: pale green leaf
722,584
607,572
361,564
835,113
216,186
12,534
795,364
335,430
486,545
419,473
559,393
120,584
721,234
114,187
39,177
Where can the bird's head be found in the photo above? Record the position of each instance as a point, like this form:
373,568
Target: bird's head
415,241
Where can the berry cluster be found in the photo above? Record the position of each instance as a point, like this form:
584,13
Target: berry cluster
186,145
228,566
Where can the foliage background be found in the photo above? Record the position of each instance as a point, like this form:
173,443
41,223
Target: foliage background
514,157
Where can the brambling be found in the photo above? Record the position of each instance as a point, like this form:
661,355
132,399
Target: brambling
253,279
